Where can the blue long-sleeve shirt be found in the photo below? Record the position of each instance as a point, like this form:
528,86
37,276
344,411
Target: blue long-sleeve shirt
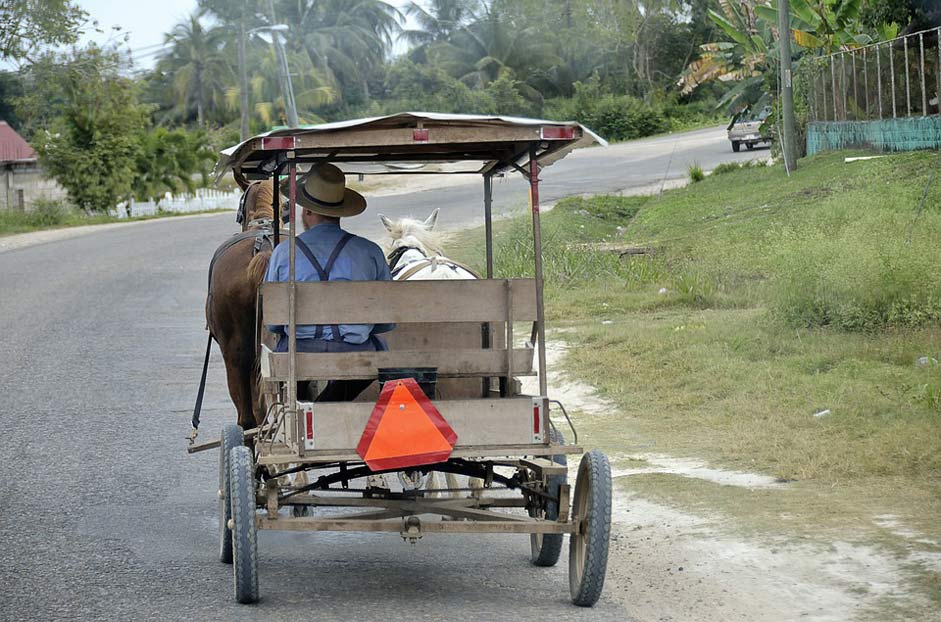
360,260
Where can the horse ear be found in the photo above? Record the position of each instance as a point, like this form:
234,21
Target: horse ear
431,220
386,223
241,181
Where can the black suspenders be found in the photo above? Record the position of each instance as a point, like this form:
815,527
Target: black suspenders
324,273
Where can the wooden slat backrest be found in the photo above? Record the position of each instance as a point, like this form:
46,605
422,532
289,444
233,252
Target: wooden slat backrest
401,302
364,365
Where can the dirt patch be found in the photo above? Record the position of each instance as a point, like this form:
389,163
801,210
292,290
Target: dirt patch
669,565
657,463
576,396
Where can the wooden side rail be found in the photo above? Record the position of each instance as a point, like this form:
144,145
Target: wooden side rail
401,302
363,365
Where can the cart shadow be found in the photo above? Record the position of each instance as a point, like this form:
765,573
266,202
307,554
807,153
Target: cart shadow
366,573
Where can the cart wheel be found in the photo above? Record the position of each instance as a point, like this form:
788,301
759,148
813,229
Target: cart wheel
232,436
735,146
244,537
545,549
588,549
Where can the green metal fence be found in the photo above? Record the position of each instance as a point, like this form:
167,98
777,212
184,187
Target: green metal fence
885,95
905,134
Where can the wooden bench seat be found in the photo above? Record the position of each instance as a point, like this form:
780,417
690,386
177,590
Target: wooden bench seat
440,324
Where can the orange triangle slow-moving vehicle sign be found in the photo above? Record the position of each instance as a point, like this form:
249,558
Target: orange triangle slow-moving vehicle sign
405,429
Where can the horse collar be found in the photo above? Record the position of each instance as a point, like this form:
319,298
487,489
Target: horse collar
395,256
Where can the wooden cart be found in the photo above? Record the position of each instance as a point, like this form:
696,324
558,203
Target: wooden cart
308,456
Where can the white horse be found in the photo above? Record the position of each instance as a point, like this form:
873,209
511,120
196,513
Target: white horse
416,255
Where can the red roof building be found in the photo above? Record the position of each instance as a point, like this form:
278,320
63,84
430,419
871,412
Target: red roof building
13,148
21,179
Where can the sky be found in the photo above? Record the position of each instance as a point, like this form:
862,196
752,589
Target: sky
144,23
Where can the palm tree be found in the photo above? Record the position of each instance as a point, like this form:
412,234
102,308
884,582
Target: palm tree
311,89
200,71
437,22
347,39
494,45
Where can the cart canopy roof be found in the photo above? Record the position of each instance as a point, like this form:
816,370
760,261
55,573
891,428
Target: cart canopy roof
408,141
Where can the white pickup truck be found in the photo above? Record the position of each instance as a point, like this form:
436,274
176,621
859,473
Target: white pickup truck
746,130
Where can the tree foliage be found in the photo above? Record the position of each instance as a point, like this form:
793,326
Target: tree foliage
91,145
27,24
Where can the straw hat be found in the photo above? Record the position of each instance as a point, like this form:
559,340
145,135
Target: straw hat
323,191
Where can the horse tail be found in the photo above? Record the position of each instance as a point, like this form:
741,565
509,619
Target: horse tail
257,267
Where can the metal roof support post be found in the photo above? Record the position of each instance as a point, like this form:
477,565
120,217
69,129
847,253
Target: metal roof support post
488,221
292,308
276,207
487,328
540,306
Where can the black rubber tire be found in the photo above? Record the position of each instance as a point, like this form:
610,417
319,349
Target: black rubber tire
244,536
736,146
232,436
545,549
750,146
588,550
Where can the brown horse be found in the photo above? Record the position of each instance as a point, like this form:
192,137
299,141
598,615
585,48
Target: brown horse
235,274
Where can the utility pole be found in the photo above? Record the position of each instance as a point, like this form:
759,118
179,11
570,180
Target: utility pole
789,137
287,89
243,75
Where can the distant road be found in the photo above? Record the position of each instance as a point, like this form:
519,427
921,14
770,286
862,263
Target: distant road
633,165
107,518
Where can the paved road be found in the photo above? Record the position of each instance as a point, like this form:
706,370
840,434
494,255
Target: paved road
105,517
639,165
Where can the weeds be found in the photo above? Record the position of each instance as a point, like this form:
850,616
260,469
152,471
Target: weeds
696,173
732,167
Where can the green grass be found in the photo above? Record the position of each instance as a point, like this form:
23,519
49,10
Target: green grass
760,300
54,216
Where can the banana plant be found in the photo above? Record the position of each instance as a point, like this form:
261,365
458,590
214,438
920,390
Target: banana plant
827,26
745,59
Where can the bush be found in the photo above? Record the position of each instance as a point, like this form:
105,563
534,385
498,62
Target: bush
47,213
867,277
614,117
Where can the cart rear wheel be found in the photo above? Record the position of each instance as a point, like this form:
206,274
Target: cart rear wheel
232,436
545,549
588,548
735,146
244,537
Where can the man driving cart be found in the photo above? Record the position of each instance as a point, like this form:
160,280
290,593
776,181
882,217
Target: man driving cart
328,253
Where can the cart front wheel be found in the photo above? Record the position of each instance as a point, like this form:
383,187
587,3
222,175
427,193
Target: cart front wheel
588,547
545,549
244,537
232,436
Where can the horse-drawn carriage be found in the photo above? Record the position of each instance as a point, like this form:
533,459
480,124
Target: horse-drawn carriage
304,456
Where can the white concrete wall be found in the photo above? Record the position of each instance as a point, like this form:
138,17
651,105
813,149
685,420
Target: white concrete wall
29,179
